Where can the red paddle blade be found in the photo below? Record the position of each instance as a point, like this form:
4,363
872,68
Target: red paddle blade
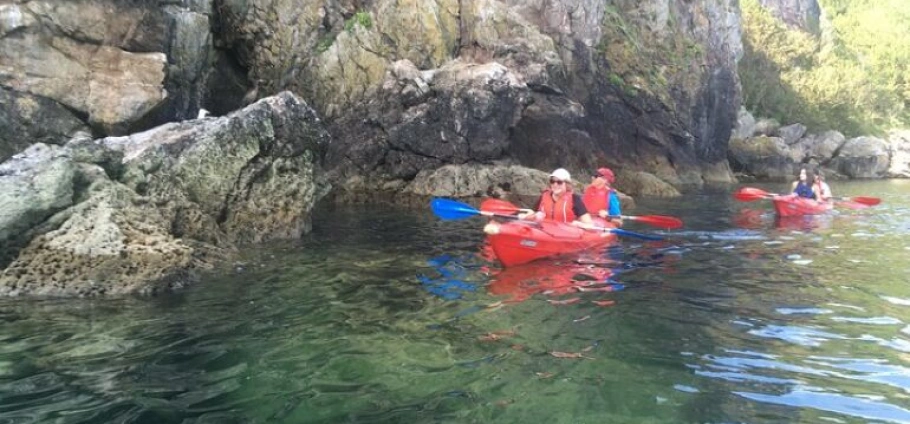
748,197
500,206
852,205
755,192
866,200
661,221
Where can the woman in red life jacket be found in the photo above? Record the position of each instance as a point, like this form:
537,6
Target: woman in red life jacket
559,203
600,198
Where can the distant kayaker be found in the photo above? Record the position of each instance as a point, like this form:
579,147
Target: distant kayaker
802,187
820,187
601,199
559,203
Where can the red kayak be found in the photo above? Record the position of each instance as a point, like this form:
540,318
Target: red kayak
792,205
520,242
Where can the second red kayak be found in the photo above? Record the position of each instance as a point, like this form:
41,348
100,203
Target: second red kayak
520,242
793,205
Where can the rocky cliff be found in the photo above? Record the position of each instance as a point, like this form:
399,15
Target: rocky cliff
403,87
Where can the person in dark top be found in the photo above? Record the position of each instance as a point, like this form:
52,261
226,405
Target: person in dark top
802,187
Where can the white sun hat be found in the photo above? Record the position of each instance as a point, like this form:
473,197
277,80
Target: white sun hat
561,174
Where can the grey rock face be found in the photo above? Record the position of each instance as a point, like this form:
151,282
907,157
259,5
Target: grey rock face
114,65
820,148
899,142
775,158
764,157
516,183
34,185
803,14
253,174
863,157
142,213
27,119
792,133
767,127
745,125
110,244
348,59
468,112
646,184
478,180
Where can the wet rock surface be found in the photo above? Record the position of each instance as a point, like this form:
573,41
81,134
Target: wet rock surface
145,213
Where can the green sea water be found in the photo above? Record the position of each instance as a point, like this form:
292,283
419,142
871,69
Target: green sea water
386,315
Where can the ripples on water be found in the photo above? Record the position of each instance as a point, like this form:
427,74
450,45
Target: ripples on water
392,316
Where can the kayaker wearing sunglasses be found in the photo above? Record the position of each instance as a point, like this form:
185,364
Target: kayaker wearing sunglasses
600,198
559,203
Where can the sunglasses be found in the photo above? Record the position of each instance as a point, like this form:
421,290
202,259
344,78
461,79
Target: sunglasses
555,181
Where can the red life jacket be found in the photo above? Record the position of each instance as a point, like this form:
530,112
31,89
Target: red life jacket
596,199
558,210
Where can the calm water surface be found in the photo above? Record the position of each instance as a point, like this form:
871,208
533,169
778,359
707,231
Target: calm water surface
395,316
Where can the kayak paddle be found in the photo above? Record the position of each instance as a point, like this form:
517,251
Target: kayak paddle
453,210
863,200
661,221
502,206
749,194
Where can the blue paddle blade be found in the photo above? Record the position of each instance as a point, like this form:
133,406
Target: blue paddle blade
452,210
627,233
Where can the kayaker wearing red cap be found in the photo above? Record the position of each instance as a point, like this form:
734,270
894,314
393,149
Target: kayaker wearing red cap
600,198
559,203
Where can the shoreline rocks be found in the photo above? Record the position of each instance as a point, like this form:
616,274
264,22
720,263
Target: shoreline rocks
144,213
777,153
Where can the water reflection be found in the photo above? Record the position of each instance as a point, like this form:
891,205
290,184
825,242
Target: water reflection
594,271
551,278
755,219
394,316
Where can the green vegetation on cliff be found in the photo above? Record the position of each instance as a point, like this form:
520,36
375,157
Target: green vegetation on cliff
854,77
652,61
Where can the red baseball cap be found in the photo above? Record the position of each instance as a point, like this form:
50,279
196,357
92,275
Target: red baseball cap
607,174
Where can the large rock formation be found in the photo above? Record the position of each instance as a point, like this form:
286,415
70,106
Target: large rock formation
142,213
113,65
409,87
